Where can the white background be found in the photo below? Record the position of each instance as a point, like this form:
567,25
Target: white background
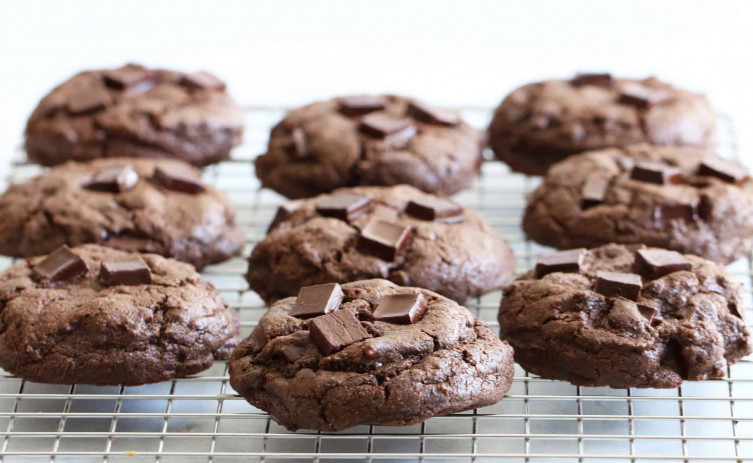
454,53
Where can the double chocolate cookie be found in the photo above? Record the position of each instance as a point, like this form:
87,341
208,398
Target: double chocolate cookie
97,315
684,199
625,316
369,352
365,140
147,205
135,111
540,124
397,233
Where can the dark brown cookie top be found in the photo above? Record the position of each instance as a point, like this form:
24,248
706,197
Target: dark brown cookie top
459,256
135,111
127,203
685,199
542,123
595,325
395,373
381,140
79,330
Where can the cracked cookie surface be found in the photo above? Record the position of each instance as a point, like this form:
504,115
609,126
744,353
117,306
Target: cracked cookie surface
56,208
561,327
317,148
403,374
458,260
542,123
703,215
142,113
84,332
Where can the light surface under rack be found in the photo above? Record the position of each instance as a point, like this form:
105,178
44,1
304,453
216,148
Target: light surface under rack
201,419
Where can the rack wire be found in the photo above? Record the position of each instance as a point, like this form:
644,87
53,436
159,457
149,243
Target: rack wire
201,419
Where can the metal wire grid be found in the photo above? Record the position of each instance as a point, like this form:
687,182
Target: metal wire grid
201,418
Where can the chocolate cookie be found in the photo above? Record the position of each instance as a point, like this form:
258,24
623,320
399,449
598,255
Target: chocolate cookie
684,199
397,233
369,352
135,111
542,123
97,315
362,140
625,316
148,205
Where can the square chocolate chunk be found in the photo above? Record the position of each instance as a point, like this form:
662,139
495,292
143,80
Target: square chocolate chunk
568,261
131,272
598,80
178,181
126,76
346,206
431,115
61,265
593,192
649,312
114,180
435,209
88,100
202,80
656,263
335,331
387,127
642,97
359,105
283,212
666,213
627,285
402,309
316,300
723,169
656,173
383,239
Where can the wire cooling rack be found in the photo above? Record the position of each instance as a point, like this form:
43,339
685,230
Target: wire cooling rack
201,419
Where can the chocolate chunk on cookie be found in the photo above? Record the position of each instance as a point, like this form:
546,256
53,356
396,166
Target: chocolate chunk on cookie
126,330
434,243
607,326
388,355
542,123
121,203
370,140
138,112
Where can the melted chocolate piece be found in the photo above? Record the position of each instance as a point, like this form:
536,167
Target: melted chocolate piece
60,266
87,101
563,261
627,285
598,80
387,127
435,209
131,272
283,212
402,309
114,180
383,239
336,331
655,173
593,192
656,263
360,105
202,80
431,115
726,170
178,182
127,76
642,97
317,300
346,207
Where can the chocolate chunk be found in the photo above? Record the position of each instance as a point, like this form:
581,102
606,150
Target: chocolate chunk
127,76
656,173
649,312
431,115
291,352
598,80
202,80
88,100
346,207
734,309
383,239
387,127
114,180
627,285
61,265
435,209
177,181
729,171
298,144
655,263
360,105
283,212
336,331
402,309
317,300
666,213
562,261
593,192
132,243
131,272
642,97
